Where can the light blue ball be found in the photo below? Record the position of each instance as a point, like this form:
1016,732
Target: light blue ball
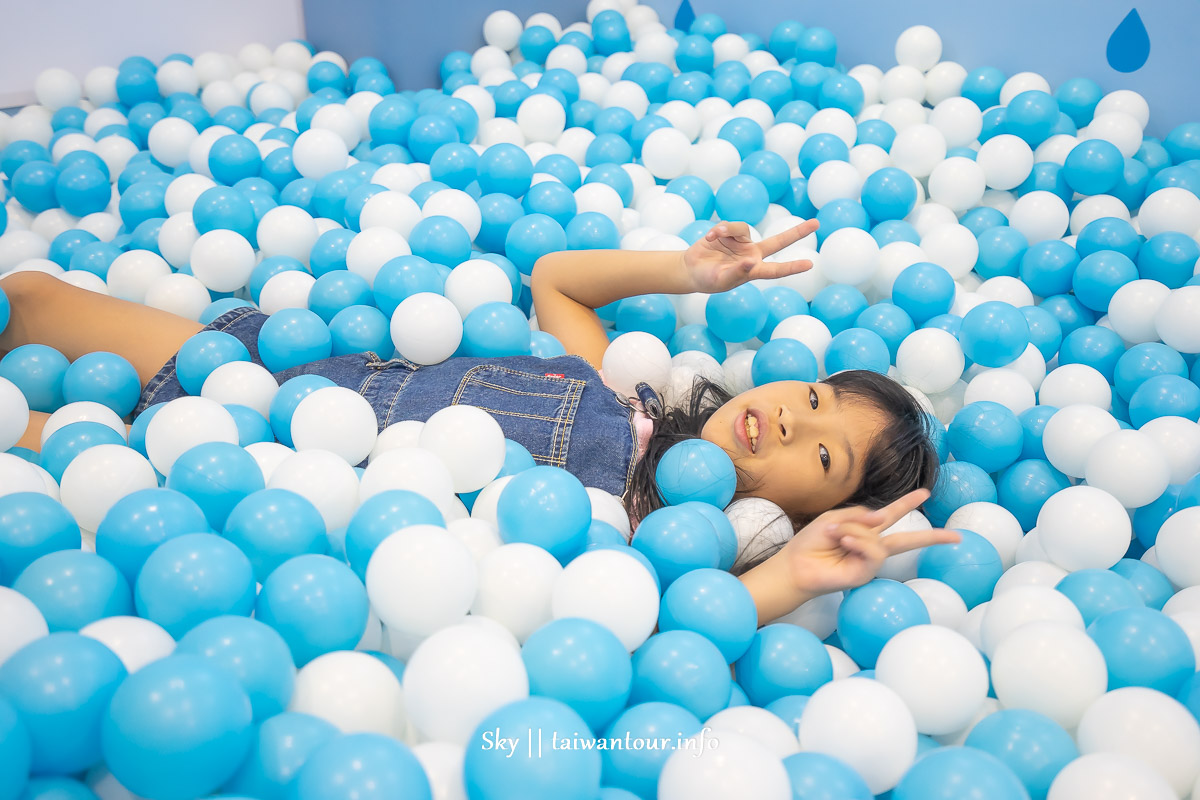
743,198
684,668
736,315
217,476
677,540
532,770
1098,591
73,588
1032,745
650,313
316,603
994,334
440,240
178,727
783,360
138,523
1169,258
281,746
1098,347
494,330
531,237
1045,333
105,378
1108,233
838,306
358,329
582,664
1163,396
544,345
923,291
1093,167
1144,361
1099,276
62,446
291,337
253,653
379,517
890,322
986,434
548,507
950,773
783,660
233,158
271,526
970,567
958,483
816,776
504,168
283,405
35,369
203,353
714,604
872,614
1023,489
889,194
360,765
16,752
60,686
637,771
1143,647
1000,252
191,578
696,469
857,348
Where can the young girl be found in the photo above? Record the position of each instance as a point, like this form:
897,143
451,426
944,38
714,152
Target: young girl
844,459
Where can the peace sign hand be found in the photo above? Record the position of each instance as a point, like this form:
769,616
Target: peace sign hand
726,257
843,548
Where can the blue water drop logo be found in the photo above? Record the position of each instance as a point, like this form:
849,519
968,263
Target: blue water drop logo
1129,45
685,16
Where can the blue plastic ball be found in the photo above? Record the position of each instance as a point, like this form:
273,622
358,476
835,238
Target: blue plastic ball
1025,486
504,168
820,148
1144,361
32,525
1098,277
857,348
546,506
531,237
889,194
1001,250
217,476
838,306
491,773
1098,347
684,668
924,291
379,517
203,353
697,337
1093,167
949,773
234,158
1164,396
581,664
637,770
1096,592
676,540
291,337
178,727
1169,258
1143,647
1032,745
1108,233
104,378
283,405
736,315
270,526
496,329
253,653
970,567
696,470
60,686
191,578
62,446
783,660
994,334
281,746
872,614
958,483
783,360
714,604
82,190
316,603
816,776
440,240
742,198
986,434
73,588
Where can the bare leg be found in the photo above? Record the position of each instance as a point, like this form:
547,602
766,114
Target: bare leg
75,322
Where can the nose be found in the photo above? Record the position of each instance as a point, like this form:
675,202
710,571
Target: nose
787,428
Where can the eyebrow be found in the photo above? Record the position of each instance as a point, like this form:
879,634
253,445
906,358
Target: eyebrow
849,452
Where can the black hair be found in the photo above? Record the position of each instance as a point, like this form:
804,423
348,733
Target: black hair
900,458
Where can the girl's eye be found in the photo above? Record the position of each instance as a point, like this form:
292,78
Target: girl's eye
824,457
813,400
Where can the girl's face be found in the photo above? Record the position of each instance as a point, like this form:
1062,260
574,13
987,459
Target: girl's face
803,449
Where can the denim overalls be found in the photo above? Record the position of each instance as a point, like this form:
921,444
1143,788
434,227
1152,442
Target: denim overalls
557,408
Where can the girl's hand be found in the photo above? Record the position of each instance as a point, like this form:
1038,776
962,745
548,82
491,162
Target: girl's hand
843,549
726,258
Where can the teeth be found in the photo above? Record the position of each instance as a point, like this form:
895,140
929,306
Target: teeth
752,431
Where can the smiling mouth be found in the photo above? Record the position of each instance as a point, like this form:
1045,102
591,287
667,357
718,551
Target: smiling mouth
752,431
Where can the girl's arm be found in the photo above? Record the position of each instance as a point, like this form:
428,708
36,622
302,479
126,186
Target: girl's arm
841,549
568,286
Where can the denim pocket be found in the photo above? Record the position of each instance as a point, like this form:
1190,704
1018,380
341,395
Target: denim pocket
535,409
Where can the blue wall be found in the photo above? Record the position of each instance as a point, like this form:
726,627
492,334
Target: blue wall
1060,39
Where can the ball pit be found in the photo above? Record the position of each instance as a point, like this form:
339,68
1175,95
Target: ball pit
255,590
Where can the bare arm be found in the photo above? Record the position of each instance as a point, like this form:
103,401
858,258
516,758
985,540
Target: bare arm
841,549
568,286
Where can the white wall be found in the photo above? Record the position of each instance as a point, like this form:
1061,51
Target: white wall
81,34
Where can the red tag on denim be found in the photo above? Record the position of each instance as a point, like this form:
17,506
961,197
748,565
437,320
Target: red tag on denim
555,375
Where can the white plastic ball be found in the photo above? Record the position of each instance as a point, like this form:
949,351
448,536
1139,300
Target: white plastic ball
1049,667
731,764
612,589
1175,322
1022,82
20,622
1178,547
633,358
714,161
864,724
952,247
1134,308
356,692
222,260
918,149
322,478
945,606
337,420
242,383
317,152
179,294
426,328
134,640
56,88
834,180
919,46
170,140
457,677
516,584
938,674
421,579
100,476
902,82
665,153
930,359
1040,215
1075,384
132,272
957,183
411,468
287,231
1109,776
1024,605
1170,209
1179,440
469,441
184,423
850,256
1083,527
1130,466
1072,432
100,85
14,418
1006,161
289,289
1118,128
943,81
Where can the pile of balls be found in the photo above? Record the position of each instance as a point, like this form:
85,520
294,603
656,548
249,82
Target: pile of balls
216,601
